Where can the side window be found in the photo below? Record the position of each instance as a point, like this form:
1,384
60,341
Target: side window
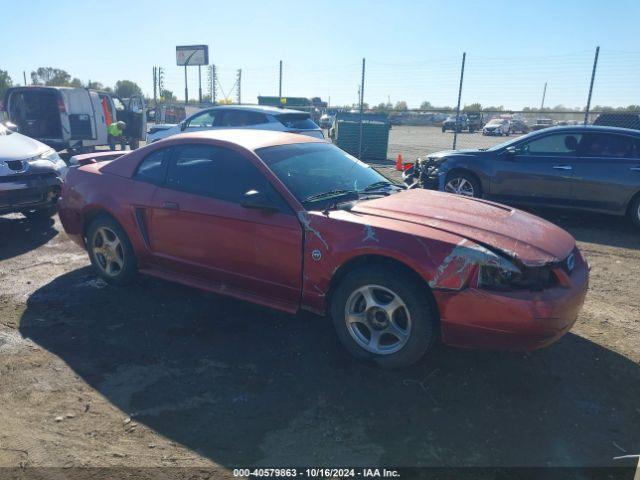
215,172
152,169
558,144
607,145
203,120
241,118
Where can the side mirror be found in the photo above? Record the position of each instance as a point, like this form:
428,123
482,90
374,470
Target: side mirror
258,201
183,125
511,152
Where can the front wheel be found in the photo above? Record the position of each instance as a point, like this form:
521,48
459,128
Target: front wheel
634,211
383,316
110,251
462,184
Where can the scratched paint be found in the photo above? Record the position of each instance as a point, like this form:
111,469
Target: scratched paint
369,234
306,223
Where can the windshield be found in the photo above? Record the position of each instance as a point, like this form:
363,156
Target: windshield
312,169
299,121
495,122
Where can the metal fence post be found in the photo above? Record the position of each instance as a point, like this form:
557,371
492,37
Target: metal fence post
455,128
593,77
280,84
361,111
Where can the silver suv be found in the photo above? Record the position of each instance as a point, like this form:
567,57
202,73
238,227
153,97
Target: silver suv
241,116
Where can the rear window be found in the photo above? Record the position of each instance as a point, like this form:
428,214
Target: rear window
298,121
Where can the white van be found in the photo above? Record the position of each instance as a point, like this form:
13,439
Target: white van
72,118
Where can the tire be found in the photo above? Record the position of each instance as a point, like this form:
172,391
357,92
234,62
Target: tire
634,211
40,213
444,129
134,143
462,183
413,319
110,251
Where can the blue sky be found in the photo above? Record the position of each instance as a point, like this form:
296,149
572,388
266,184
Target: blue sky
413,48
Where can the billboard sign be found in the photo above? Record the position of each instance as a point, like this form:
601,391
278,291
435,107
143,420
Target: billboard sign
188,55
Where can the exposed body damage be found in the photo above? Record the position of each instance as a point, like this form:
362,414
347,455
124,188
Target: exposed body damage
293,258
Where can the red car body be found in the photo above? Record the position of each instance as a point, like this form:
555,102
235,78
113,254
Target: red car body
292,261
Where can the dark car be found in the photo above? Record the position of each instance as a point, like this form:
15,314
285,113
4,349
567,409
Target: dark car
584,167
453,124
293,222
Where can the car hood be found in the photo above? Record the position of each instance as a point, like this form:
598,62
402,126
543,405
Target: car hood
20,147
521,236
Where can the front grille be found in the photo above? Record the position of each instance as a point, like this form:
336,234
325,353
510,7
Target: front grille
21,197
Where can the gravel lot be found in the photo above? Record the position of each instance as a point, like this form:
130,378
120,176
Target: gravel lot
163,375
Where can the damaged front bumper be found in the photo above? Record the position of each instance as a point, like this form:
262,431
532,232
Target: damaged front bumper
29,191
513,320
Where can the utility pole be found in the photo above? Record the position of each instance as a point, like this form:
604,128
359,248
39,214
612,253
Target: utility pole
361,111
160,81
199,85
155,86
214,79
593,77
280,84
186,87
544,94
239,82
24,76
455,129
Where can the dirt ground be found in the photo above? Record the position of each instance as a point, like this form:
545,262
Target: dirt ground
158,374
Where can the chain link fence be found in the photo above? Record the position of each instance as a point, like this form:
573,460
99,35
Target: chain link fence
435,105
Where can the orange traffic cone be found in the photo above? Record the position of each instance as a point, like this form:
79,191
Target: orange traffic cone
399,162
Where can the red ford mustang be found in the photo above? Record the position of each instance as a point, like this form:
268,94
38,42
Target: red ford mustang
293,222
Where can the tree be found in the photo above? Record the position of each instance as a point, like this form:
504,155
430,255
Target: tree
401,105
426,105
76,82
127,88
94,85
167,95
50,76
5,82
473,107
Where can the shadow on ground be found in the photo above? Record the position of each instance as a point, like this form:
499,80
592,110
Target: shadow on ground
19,235
241,385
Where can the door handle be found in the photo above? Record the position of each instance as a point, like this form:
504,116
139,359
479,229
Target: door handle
171,205
563,167
634,169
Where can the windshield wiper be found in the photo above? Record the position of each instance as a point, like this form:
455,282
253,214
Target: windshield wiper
330,194
377,185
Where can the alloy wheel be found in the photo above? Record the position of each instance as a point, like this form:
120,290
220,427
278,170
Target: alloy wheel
108,251
459,186
377,319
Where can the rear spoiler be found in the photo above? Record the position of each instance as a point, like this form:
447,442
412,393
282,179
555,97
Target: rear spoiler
96,157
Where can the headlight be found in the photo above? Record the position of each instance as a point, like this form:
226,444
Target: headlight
53,157
497,278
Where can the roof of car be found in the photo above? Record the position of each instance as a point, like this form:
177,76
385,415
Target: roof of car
247,138
592,128
254,108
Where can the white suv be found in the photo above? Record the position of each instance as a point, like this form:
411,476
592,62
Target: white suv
241,116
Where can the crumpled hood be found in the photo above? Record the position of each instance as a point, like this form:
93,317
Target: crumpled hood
527,238
20,147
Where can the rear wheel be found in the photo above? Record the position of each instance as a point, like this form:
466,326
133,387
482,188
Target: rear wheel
464,184
383,316
110,251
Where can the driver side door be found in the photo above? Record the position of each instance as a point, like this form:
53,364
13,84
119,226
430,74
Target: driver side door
538,171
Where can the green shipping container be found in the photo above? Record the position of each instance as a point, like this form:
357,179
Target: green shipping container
375,135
